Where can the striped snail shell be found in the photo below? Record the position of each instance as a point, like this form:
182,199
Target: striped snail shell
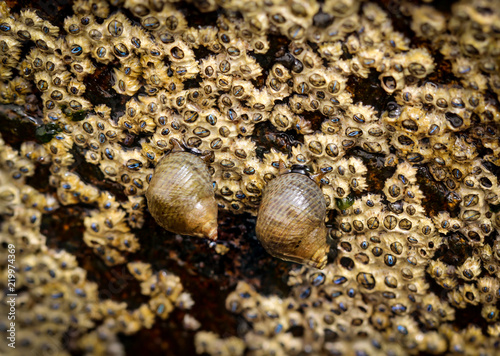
291,220
181,196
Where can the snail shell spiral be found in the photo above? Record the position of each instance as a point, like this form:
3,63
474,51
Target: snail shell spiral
291,220
181,196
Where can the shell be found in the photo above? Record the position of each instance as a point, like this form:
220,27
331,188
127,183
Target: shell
181,196
291,220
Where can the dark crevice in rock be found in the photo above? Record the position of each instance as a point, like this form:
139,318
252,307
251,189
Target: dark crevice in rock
193,83
99,90
195,17
16,127
369,91
278,46
209,277
267,137
54,11
40,178
202,52
435,193
442,74
377,174
455,251
92,174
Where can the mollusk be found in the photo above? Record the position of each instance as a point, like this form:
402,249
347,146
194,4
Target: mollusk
181,196
291,220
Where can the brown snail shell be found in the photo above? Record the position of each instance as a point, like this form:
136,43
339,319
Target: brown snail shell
181,196
291,220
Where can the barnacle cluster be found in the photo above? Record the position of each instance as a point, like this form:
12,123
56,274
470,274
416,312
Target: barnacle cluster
265,82
57,295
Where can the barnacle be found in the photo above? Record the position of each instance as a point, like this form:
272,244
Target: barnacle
401,135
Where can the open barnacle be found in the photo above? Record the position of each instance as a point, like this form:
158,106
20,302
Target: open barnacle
427,21
125,84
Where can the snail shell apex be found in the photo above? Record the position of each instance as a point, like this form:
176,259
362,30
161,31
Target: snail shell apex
291,220
181,196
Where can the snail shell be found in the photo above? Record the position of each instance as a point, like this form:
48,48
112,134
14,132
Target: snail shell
181,196
291,220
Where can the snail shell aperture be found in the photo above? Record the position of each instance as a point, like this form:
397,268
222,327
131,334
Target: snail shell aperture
291,220
181,196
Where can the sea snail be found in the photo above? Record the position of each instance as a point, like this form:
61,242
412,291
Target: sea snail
291,219
181,196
